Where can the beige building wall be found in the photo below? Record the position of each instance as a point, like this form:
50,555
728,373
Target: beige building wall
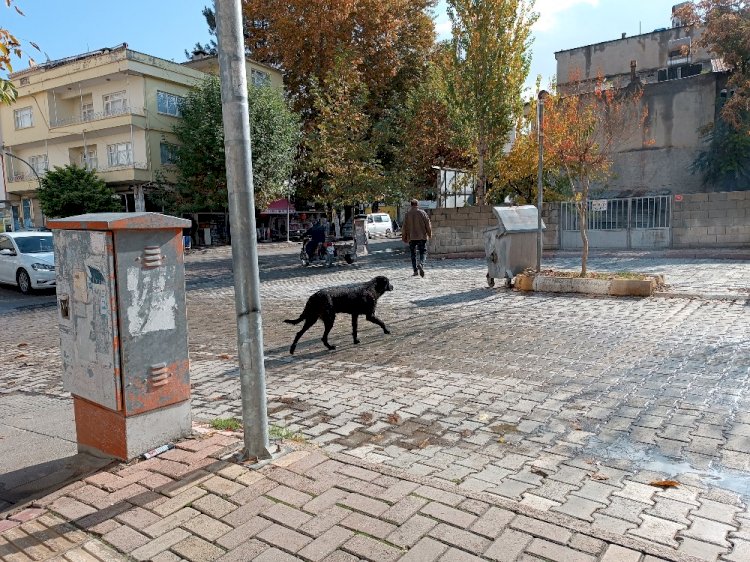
256,72
649,50
79,106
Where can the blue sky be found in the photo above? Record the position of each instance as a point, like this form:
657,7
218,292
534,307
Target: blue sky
166,28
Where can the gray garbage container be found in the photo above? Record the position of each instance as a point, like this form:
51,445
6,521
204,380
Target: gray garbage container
511,246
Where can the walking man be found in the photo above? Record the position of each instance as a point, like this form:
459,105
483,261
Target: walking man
415,231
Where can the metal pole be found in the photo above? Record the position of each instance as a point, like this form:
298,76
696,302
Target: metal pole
242,222
540,186
288,197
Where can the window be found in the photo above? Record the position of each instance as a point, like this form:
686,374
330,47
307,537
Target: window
39,163
120,154
87,111
35,244
259,78
28,216
168,104
115,104
6,244
88,159
379,218
168,153
23,118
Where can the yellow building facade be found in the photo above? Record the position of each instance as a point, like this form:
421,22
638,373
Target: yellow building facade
111,110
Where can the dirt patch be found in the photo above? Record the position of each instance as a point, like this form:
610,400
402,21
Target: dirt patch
503,428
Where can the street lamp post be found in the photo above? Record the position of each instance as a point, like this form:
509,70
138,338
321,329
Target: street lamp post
540,184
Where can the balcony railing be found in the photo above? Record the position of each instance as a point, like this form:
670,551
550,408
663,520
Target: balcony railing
89,166
91,116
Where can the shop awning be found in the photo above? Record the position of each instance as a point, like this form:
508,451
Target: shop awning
278,207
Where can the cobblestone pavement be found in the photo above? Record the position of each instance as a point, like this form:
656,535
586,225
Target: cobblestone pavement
189,504
567,406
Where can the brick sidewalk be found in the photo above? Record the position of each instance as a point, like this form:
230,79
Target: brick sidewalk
190,504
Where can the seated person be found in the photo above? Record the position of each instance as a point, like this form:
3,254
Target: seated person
317,236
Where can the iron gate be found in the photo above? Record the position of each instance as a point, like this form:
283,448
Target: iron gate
628,223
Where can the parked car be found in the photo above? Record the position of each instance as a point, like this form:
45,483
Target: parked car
379,225
27,260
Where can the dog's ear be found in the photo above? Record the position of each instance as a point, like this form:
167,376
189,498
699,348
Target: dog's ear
381,283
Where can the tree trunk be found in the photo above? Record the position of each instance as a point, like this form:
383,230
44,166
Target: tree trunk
583,212
479,189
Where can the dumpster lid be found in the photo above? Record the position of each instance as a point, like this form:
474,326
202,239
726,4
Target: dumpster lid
517,219
119,221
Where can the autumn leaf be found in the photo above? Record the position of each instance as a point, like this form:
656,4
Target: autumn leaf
664,484
393,418
599,476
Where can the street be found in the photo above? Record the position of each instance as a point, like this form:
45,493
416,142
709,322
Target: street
567,404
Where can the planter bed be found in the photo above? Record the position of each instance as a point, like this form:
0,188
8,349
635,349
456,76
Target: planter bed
622,285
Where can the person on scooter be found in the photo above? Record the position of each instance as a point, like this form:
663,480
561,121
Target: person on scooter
317,236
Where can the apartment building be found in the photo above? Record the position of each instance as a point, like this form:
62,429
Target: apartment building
683,88
111,110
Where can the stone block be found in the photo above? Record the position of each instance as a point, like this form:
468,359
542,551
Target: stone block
696,197
718,196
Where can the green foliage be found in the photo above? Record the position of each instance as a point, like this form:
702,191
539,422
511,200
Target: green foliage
341,151
725,164
274,131
425,133
73,190
226,424
491,59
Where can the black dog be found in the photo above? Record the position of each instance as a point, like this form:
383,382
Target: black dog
356,300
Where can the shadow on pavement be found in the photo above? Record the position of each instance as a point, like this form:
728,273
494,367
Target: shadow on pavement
32,482
456,298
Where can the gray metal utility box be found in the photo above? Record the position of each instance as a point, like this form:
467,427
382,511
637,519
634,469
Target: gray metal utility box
511,246
123,329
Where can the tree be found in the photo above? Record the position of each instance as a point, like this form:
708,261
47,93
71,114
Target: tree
389,38
72,190
726,29
274,130
726,161
9,46
427,133
341,153
582,131
388,41
490,45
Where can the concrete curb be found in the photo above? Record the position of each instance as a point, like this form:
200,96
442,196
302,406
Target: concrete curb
602,287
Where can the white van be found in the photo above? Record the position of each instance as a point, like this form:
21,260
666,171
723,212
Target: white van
379,225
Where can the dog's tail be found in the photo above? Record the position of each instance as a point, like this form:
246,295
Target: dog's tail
297,321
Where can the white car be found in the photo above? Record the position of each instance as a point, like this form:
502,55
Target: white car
27,260
379,225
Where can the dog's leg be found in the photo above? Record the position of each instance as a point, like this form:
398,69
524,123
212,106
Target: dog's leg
308,323
354,327
375,320
328,323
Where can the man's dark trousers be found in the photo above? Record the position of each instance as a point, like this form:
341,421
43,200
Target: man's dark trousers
413,245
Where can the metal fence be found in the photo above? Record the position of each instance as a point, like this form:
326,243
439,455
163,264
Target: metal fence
620,214
620,223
